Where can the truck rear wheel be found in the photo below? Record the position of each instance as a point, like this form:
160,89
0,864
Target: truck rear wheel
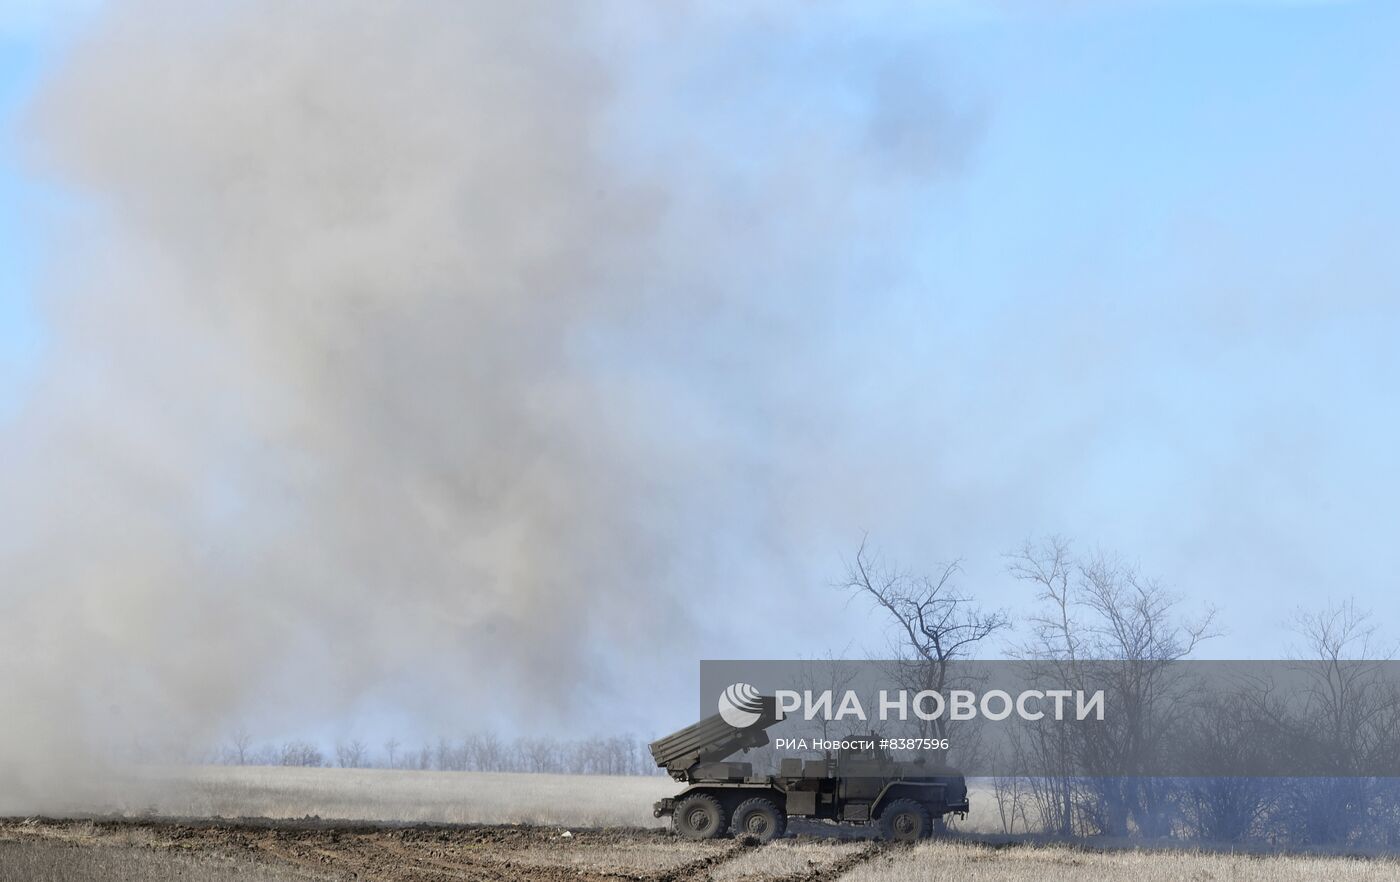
760,818
905,820
699,817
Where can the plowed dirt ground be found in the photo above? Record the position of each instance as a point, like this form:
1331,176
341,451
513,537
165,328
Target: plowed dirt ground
316,849
311,850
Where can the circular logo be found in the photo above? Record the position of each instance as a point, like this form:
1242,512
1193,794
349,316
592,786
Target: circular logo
740,705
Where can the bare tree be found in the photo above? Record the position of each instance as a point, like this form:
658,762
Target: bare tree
1338,632
935,620
443,755
1349,714
1345,693
1238,730
351,755
537,754
1102,610
391,749
1100,607
301,753
1011,795
240,744
483,752
934,623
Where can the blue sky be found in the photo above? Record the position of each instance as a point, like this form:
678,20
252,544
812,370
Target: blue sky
20,328
1170,246
1150,298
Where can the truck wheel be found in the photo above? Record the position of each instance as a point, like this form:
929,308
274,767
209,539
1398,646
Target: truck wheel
905,820
699,817
759,818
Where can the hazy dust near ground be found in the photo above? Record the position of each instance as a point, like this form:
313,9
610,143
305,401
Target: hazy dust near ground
397,796
296,851
390,795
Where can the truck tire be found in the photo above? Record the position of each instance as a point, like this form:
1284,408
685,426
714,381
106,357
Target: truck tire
699,817
760,818
905,820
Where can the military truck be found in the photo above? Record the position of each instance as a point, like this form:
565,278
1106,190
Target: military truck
907,800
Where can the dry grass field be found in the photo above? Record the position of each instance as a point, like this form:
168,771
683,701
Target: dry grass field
393,795
403,796
436,827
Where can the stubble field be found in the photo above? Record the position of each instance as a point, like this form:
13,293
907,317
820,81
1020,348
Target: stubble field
434,827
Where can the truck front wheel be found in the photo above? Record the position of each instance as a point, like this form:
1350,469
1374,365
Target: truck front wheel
699,817
905,820
760,818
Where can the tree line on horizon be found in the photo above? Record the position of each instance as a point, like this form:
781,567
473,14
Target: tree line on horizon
475,752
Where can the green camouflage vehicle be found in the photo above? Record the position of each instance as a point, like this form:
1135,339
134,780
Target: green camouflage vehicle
907,800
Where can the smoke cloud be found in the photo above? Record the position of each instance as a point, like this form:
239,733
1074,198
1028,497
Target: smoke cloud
429,359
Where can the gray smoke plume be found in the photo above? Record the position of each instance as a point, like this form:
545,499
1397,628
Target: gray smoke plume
428,357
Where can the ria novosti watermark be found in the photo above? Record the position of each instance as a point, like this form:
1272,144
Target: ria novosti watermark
1078,718
739,704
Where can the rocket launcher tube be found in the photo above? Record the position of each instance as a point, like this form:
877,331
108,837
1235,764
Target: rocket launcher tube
712,739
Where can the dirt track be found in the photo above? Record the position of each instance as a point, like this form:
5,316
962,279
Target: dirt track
312,850
339,850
